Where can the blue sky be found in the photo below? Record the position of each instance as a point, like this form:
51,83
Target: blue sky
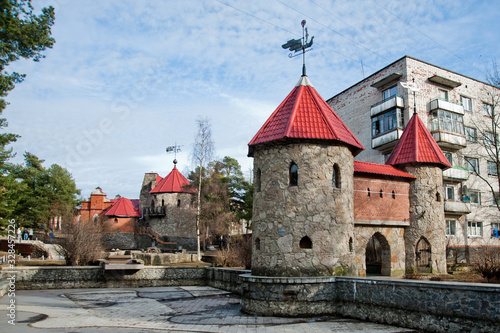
126,79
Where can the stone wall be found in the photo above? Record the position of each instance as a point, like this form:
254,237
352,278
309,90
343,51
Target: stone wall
426,219
225,278
422,305
314,210
28,278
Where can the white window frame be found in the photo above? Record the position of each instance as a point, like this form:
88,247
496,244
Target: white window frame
449,189
492,168
477,194
474,229
471,130
470,167
468,103
451,228
487,109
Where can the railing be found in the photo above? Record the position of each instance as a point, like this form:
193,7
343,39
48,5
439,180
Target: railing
147,231
154,211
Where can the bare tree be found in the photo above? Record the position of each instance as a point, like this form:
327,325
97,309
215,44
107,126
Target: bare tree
488,131
203,149
82,242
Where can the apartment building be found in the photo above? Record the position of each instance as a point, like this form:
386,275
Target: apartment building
457,111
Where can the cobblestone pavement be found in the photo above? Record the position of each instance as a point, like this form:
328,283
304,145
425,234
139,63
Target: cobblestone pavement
158,309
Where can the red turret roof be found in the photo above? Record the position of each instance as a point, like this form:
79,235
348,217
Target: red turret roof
380,169
174,182
417,146
305,115
123,207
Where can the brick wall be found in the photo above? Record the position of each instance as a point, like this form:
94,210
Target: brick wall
369,204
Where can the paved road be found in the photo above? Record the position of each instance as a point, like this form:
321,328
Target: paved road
157,309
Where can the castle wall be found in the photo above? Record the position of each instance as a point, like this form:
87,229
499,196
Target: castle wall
284,215
426,217
380,198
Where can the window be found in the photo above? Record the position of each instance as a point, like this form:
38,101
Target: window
495,198
178,202
257,180
471,134
472,164
495,230
487,109
447,121
381,193
475,229
443,94
475,197
492,168
386,156
336,176
388,93
451,227
449,157
449,192
305,243
368,191
294,174
467,103
162,202
489,139
438,196
257,244
116,220
387,122
393,195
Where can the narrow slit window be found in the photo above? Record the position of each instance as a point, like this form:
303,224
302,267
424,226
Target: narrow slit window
368,192
336,176
294,174
257,244
381,194
393,195
257,180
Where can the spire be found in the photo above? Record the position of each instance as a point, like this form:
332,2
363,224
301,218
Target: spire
174,182
417,146
300,44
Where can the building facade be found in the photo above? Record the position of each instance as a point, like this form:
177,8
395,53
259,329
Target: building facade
457,111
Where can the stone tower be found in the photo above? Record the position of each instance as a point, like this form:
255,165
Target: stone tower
418,154
303,221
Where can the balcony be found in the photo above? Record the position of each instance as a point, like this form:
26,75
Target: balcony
154,211
443,104
447,128
456,173
456,208
395,101
387,140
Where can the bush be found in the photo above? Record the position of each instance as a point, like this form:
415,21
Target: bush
237,253
487,263
82,243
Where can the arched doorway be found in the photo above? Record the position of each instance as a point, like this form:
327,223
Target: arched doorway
378,256
423,256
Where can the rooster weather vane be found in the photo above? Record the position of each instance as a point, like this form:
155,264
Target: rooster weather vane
295,45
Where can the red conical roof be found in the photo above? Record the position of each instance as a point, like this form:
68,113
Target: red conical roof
123,207
305,115
417,146
172,183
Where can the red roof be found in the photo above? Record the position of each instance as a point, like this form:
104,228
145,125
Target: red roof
123,207
380,169
305,115
417,146
158,179
174,182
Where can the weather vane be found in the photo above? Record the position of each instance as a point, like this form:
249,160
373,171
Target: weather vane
174,149
296,45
